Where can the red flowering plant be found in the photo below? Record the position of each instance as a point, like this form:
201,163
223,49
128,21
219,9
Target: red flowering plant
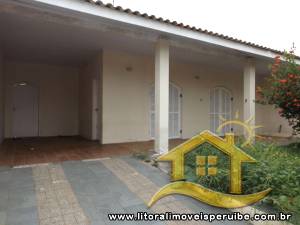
283,89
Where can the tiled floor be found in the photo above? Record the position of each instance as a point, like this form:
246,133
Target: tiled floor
58,149
84,192
56,200
75,192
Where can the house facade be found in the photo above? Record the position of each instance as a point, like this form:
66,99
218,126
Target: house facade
76,67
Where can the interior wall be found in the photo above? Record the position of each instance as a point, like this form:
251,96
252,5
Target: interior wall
89,73
1,96
58,96
127,80
126,87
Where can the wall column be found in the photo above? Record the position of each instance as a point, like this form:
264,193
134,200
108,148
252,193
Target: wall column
1,97
249,91
161,96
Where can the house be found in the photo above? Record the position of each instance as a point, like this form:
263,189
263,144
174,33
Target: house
77,67
226,145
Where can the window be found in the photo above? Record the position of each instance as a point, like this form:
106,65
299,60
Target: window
220,107
206,165
174,112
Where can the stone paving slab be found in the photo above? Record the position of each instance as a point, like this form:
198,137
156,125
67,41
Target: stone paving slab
160,179
145,188
17,197
83,193
100,196
57,203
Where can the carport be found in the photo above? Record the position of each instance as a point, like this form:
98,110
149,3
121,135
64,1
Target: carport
82,75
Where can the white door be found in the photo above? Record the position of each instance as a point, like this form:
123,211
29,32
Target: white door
25,111
220,107
174,112
95,109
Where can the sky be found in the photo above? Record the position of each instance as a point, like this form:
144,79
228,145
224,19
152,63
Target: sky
271,23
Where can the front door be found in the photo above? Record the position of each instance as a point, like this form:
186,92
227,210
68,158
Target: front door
24,111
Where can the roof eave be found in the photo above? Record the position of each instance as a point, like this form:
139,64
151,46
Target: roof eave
134,18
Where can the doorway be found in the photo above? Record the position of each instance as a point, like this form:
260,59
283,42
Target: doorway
95,105
24,110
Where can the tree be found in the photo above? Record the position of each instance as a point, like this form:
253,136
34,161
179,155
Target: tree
283,89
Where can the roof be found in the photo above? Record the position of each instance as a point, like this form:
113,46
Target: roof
181,25
225,145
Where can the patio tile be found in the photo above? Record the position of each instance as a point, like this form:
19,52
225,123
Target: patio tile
52,221
153,173
91,211
57,204
97,168
3,201
18,201
131,199
22,178
160,178
69,219
21,216
145,188
58,194
3,217
4,169
23,200
84,188
127,174
5,176
111,194
97,222
138,208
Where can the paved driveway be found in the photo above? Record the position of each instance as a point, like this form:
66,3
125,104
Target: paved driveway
85,192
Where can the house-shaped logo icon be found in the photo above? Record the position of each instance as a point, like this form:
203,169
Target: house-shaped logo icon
226,145
236,155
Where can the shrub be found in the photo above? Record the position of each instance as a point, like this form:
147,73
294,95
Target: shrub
276,167
283,89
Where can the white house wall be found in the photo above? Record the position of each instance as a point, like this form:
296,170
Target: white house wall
126,86
1,97
268,117
65,99
58,96
272,123
196,81
127,79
